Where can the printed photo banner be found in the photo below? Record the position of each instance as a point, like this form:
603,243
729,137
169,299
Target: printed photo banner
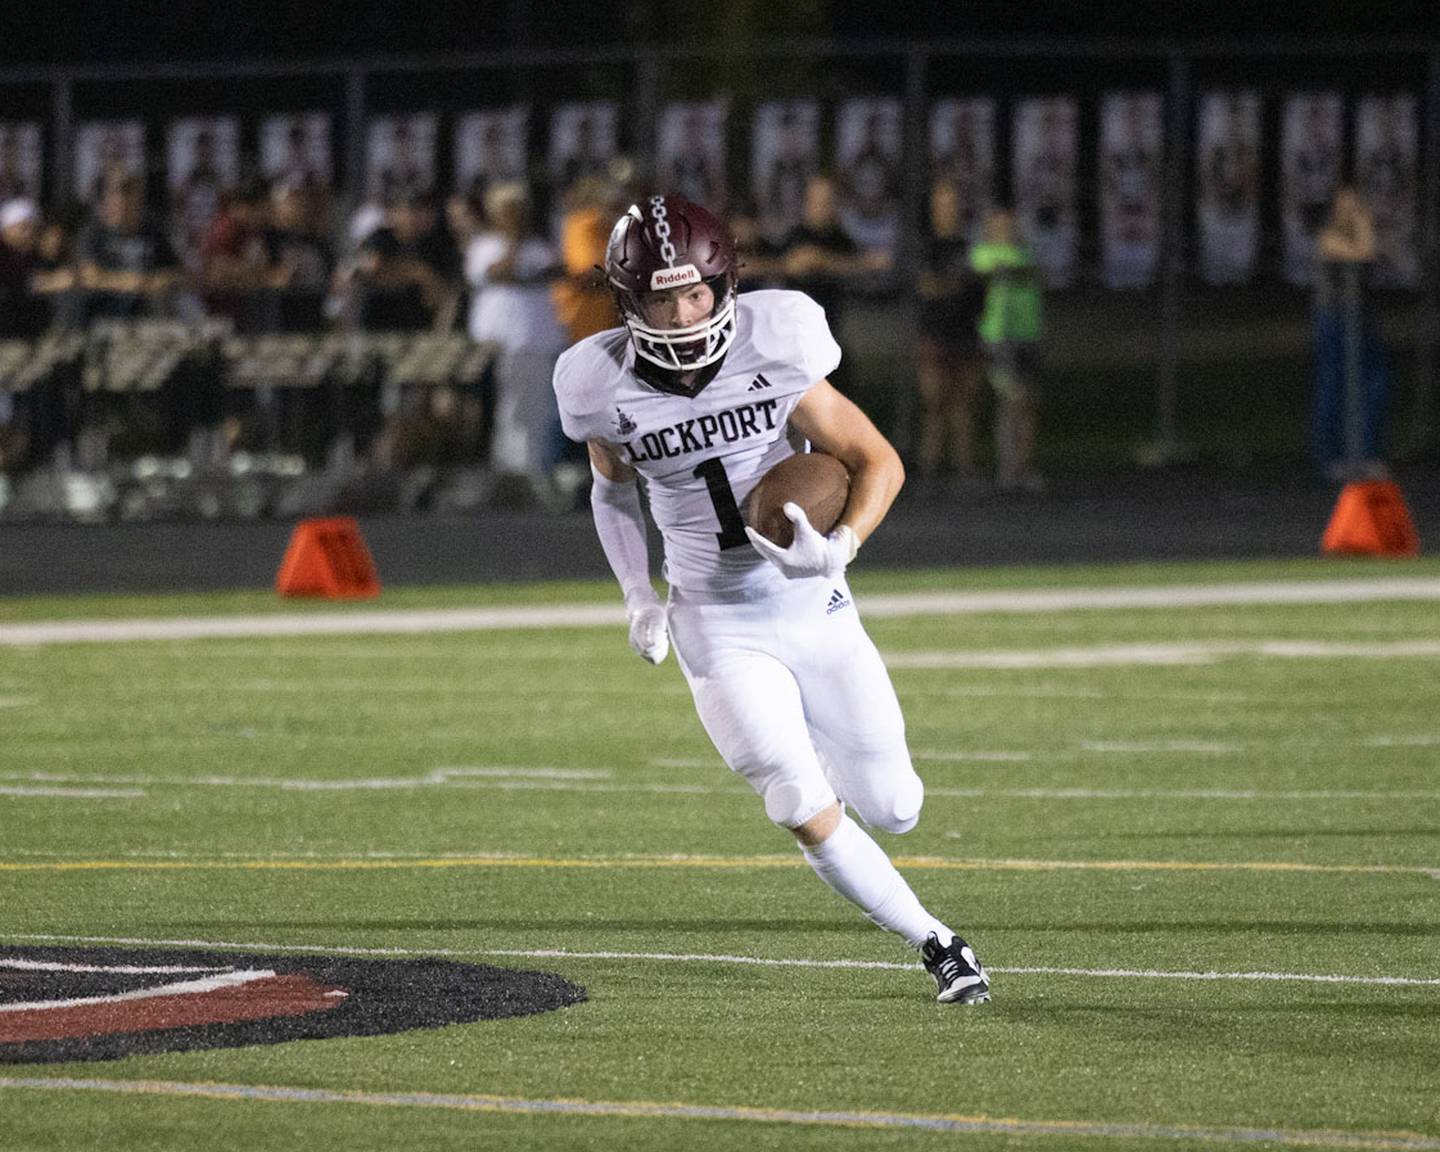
786,152
1227,182
400,156
962,151
1043,163
202,160
1131,155
869,139
21,164
105,148
491,145
295,149
690,152
1386,174
1310,142
583,141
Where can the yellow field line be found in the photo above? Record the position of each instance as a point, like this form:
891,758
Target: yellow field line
606,863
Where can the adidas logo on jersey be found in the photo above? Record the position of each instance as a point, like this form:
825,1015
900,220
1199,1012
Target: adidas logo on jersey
759,384
837,602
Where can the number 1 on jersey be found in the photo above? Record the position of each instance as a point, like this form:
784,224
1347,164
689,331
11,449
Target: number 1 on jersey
732,524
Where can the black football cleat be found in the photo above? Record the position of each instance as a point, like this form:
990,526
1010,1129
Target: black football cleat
959,978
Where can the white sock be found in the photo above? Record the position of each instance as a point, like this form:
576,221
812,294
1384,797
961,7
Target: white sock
857,868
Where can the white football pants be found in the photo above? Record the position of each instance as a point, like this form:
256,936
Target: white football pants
796,699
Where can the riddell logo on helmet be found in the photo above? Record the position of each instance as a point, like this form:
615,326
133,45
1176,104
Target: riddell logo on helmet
674,277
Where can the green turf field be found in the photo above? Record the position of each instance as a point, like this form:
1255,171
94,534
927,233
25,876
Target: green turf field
1160,827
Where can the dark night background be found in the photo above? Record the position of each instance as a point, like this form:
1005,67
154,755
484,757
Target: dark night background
67,32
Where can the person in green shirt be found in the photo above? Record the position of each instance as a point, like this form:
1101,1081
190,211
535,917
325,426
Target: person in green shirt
1010,327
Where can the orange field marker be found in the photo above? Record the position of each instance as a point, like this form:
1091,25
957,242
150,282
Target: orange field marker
328,558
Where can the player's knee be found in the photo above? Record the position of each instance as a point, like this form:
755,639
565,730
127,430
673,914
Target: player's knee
790,805
898,809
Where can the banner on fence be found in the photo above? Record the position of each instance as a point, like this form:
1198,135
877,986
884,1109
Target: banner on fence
491,145
1386,164
1043,161
962,152
690,151
1310,171
1131,148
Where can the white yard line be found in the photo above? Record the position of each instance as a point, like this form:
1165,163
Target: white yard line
728,958
61,784
612,615
71,793
1136,655
972,757
1235,794
1066,1130
1146,747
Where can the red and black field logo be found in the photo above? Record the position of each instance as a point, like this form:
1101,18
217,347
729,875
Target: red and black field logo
63,1004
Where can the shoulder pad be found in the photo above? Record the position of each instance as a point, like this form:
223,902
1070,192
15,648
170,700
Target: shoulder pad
587,374
790,327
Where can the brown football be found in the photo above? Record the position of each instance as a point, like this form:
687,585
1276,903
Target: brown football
817,482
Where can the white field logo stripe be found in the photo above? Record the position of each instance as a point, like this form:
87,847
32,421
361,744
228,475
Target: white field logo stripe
366,622
179,988
747,961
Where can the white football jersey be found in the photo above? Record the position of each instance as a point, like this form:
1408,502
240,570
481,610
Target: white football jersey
700,455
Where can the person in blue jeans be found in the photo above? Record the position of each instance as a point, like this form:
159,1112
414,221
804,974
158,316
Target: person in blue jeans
1344,256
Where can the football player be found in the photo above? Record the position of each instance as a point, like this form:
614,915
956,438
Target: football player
699,394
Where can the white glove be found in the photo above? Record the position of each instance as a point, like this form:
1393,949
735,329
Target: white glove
649,634
809,554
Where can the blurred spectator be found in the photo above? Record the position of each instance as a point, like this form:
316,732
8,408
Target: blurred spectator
12,176
1010,327
300,257
949,362
24,313
509,268
1346,340
125,264
820,258
406,274
465,216
582,301
234,264
760,258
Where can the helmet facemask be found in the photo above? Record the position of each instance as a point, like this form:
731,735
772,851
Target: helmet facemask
684,349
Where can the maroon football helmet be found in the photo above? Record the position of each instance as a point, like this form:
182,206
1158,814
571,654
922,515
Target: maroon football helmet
670,242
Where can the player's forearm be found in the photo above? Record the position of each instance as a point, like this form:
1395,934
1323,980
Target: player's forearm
875,481
620,525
